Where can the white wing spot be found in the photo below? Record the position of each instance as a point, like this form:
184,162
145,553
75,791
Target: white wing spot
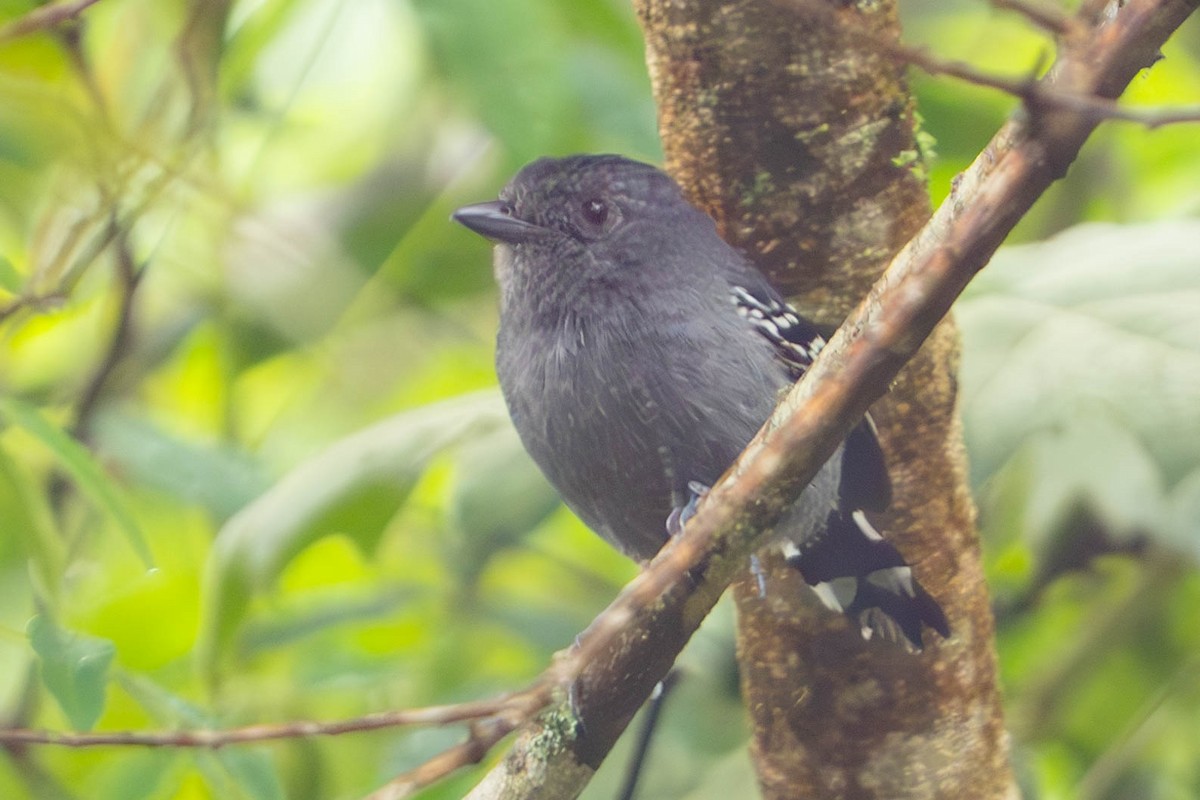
864,525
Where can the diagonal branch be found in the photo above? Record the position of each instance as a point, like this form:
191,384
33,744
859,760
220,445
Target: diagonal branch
856,368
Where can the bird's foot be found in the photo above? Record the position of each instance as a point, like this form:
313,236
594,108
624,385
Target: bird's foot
681,514
760,576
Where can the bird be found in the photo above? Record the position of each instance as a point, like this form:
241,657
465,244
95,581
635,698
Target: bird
638,353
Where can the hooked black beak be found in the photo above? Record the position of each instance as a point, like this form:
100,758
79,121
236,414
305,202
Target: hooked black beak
495,221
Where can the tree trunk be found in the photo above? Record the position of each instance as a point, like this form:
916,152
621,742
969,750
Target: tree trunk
788,124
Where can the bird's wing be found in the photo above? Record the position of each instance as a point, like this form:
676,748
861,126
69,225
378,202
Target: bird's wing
796,340
865,482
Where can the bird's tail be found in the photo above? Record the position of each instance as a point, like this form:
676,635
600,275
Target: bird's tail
855,571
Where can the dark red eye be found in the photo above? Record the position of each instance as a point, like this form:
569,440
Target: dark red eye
595,211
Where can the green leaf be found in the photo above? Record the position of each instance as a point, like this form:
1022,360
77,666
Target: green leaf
251,771
219,479
1098,461
231,772
1087,348
26,519
138,776
170,709
10,279
354,487
730,775
498,496
74,668
80,465
1185,511
521,93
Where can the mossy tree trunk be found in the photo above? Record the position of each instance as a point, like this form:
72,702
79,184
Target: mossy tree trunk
798,136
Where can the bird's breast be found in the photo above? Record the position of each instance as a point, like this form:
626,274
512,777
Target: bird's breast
622,417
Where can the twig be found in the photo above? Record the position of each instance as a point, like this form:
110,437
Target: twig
1037,93
1033,92
37,302
90,250
216,739
491,720
484,735
43,18
1051,19
128,279
71,38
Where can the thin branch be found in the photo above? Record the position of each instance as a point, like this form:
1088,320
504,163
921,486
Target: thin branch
448,761
1051,19
35,302
43,18
1037,93
1032,91
128,279
71,37
489,721
498,707
85,254
484,735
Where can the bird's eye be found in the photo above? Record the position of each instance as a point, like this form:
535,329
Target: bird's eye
595,211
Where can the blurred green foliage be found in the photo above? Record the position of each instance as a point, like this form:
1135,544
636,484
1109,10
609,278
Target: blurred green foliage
253,467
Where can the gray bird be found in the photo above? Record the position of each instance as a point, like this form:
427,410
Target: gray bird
639,353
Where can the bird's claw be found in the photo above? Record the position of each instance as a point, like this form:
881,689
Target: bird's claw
681,514
760,576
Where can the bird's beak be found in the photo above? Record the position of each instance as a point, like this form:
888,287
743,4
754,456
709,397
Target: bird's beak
495,221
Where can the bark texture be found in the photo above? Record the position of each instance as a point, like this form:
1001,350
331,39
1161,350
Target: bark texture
789,125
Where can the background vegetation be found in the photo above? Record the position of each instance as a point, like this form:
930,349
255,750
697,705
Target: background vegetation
253,467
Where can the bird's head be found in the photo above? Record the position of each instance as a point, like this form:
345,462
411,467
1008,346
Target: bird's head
584,232
585,199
